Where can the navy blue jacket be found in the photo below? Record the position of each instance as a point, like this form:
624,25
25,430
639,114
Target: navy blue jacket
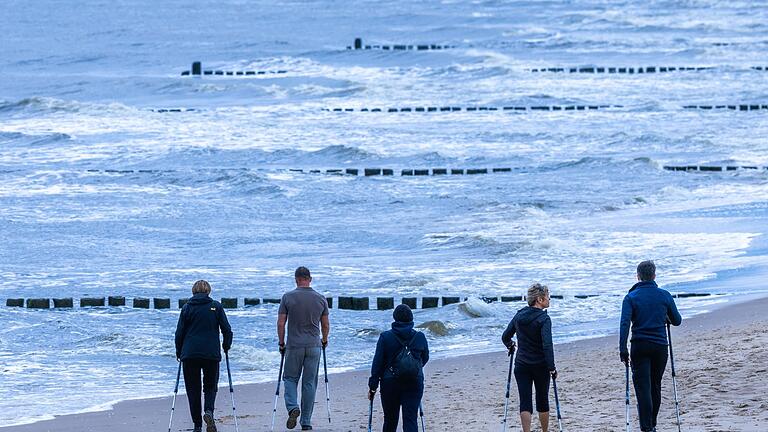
534,337
648,308
388,347
197,333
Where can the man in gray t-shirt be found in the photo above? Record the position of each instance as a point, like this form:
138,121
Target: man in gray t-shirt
306,312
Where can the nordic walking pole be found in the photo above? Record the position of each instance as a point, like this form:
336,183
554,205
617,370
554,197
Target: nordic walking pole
626,399
421,412
231,391
277,392
557,406
175,392
511,354
674,380
370,416
327,394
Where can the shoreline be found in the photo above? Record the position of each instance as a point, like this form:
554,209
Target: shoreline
110,405
749,278
255,400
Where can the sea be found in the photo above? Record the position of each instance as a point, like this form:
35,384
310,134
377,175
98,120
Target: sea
122,175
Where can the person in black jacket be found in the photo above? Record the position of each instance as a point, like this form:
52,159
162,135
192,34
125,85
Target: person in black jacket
197,347
535,361
397,392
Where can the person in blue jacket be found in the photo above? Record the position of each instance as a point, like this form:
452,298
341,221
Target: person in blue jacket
197,347
396,392
535,360
648,309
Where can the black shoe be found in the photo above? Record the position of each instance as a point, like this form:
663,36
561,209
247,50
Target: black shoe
292,416
197,429
210,423
306,427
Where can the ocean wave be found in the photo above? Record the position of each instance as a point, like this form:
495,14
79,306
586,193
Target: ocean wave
28,140
322,91
246,183
341,153
42,105
252,359
397,283
144,345
233,181
437,327
488,243
476,308
337,155
598,162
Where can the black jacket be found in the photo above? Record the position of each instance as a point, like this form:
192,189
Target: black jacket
197,333
534,337
388,347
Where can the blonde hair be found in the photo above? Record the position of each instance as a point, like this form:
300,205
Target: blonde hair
201,286
535,292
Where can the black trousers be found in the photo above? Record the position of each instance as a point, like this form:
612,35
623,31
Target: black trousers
210,372
395,395
648,363
532,376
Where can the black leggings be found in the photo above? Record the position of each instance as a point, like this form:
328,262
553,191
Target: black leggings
210,370
527,376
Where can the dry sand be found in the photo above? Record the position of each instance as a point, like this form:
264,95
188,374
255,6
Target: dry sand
720,357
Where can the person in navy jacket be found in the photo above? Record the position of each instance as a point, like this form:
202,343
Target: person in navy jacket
197,347
396,393
648,309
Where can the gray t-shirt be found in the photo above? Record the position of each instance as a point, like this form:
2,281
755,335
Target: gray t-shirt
304,307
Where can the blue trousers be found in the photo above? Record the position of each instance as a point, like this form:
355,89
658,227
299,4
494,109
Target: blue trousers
304,363
396,395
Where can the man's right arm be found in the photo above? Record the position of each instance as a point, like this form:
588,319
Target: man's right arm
626,320
325,328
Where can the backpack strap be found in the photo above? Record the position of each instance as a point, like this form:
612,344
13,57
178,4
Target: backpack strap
408,344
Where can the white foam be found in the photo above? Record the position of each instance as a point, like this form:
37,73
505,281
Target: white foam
476,308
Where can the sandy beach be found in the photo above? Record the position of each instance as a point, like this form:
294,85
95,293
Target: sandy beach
720,359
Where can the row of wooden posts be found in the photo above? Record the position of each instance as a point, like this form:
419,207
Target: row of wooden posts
197,67
344,302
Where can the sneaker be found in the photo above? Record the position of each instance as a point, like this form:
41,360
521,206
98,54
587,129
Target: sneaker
210,423
306,427
292,416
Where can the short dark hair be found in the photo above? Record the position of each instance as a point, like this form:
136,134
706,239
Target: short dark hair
302,273
201,286
646,271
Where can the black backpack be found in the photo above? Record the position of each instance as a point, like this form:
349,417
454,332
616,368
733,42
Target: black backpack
406,366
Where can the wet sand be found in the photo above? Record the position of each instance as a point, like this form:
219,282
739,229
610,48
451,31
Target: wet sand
720,357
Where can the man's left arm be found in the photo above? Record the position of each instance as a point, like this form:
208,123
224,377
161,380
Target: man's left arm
281,320
325,328
226,330
673,315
